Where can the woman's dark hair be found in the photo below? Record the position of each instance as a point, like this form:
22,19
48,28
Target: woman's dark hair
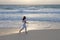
24,17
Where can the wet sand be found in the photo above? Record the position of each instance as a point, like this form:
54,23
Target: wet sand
36,31
48,34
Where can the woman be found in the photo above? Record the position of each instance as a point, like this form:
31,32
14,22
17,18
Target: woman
24,24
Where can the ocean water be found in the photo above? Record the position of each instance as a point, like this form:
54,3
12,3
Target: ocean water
33,13
12,14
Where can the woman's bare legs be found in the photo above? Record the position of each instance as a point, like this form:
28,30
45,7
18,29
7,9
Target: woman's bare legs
25,30
21,30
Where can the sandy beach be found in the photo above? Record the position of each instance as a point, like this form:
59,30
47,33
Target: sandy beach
49,34
36,31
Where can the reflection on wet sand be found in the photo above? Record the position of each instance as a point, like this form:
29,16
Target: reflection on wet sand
31,26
